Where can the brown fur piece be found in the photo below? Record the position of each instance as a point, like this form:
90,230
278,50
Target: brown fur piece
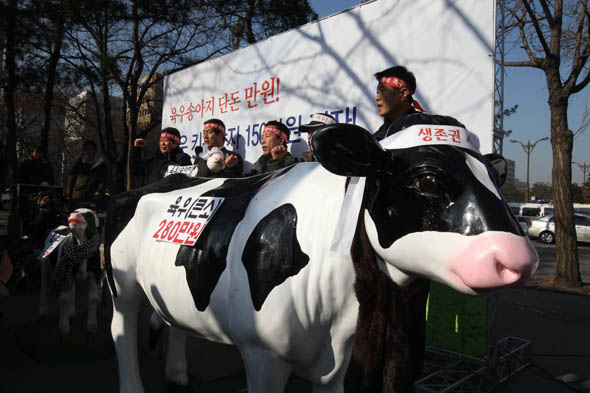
389,342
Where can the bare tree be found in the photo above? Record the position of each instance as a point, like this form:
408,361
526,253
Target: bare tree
584,123
9,86
49,43
249,21
129,46
555,37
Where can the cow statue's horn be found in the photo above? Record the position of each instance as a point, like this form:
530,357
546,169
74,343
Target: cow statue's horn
348,150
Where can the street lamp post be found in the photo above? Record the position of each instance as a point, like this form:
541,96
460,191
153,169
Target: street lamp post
584,169
528,149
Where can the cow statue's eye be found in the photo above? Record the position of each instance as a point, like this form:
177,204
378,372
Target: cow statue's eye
427,184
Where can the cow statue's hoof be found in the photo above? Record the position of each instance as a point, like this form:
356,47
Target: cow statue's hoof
91,336
65,338
177,388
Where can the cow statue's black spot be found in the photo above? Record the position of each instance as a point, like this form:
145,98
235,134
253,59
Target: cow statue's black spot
272,253
206,260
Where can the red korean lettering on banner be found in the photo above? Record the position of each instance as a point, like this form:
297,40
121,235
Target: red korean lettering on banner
234,100
440,134
251,95
455,135
270,90
209,107
426,134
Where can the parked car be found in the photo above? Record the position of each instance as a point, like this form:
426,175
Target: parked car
533,210
544,228
525,223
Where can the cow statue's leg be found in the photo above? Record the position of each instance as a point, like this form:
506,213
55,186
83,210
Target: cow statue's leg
176,370
91,325
126,308
66,311
44,293
266,373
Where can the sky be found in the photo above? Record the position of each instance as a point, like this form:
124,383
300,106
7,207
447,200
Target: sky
527,88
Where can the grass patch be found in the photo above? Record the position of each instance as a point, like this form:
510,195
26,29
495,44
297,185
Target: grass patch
456,322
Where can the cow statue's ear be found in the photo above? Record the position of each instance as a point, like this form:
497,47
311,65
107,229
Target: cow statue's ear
499,164
348,150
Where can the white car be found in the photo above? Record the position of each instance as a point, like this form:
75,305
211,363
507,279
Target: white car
544,228
525,223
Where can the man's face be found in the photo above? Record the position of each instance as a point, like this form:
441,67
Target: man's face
390,100
213,138
270,140
167,145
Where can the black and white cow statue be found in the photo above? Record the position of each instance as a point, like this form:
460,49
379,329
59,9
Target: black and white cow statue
266,263
72,253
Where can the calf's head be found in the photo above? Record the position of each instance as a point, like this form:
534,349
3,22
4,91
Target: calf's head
432,210
83,223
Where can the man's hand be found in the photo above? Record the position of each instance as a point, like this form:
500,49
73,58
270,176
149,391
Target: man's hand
278,152
231,160
139,142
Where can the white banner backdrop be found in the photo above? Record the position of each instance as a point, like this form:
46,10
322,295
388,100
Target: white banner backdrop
329,66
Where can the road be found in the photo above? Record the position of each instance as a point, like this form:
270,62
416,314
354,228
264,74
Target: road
547,256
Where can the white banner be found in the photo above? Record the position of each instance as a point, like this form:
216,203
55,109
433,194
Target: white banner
328,66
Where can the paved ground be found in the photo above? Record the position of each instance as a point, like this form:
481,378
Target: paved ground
556,322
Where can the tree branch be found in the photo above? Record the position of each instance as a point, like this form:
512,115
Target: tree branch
524,63
537,27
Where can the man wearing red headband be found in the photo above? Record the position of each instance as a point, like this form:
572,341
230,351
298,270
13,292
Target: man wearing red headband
154,169
275,136
394,97
394,101
214,136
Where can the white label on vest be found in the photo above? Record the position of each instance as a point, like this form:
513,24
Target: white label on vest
186,169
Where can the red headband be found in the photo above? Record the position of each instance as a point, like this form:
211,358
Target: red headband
215,126
400,84
395,82
276,131
170,136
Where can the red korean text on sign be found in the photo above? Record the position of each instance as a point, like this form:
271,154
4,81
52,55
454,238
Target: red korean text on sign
455,135
185,219
426,134
268,91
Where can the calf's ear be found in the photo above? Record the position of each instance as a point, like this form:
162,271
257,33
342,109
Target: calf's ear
348,150
499,164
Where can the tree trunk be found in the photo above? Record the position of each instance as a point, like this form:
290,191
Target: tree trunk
50,82
9,89
132,103
567,271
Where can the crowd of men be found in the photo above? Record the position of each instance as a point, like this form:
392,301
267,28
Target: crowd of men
393,98
87,180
